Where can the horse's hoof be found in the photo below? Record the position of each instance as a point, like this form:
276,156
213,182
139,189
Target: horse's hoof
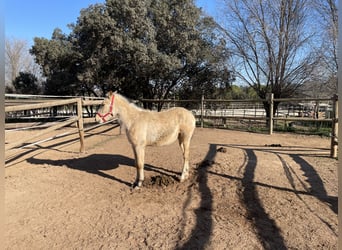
183,178
137,185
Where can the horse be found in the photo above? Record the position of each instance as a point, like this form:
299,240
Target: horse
149,128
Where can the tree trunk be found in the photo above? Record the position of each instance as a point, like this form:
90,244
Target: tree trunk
267,110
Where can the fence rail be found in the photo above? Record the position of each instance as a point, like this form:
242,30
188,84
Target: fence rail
73,119
270,100
230,109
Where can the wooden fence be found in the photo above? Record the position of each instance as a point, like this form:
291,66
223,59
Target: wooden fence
203,115
48,104
202,105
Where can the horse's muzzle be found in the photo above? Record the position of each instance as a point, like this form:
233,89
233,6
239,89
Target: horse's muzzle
98,119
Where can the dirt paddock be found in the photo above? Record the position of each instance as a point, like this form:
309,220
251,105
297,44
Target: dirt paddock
246,191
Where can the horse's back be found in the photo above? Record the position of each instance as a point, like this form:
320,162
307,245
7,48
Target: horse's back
184,117
172,121
182,114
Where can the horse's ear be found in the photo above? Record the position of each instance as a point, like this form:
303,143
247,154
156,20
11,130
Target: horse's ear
110,93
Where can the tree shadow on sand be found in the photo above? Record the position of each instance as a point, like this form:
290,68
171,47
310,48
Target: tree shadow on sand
267,230
200,234
316,183
97,163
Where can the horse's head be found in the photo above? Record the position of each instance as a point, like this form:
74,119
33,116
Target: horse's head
106,111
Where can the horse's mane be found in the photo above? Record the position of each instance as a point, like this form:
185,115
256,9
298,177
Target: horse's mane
129,102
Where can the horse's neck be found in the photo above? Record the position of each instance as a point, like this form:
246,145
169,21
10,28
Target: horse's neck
127,112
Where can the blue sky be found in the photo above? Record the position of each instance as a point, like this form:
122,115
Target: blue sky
25,20
38,18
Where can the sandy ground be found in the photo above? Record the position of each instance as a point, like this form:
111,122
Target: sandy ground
246,191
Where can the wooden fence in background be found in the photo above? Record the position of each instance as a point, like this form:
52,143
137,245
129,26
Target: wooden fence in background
33,102
203,105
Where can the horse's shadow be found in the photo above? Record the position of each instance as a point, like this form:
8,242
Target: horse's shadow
97,163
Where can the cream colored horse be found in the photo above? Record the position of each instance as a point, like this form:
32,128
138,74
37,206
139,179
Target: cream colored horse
144,128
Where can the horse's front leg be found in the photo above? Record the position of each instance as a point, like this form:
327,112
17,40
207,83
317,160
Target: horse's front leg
139,153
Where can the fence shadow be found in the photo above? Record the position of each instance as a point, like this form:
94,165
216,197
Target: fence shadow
55,146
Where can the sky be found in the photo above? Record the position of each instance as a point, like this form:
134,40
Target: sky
25,20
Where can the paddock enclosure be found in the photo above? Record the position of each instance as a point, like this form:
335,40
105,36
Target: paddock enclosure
245,191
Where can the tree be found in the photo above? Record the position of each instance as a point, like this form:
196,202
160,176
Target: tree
270,43
26,83
17,59
143,49
209,73
115,42
196,58
328,29
59,64
156,45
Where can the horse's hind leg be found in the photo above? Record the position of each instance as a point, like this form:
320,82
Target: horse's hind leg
139,153
184,143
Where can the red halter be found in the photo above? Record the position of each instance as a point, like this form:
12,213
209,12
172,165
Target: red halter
103,117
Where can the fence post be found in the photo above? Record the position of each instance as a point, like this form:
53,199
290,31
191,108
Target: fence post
80,123
270,97
334,132
202,110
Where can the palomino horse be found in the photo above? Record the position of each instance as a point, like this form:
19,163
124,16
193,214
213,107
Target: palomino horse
144,128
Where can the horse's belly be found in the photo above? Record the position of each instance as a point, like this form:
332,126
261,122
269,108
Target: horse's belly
162,138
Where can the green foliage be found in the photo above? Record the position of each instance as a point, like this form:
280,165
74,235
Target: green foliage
26,83
241,92
142,48
59,63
